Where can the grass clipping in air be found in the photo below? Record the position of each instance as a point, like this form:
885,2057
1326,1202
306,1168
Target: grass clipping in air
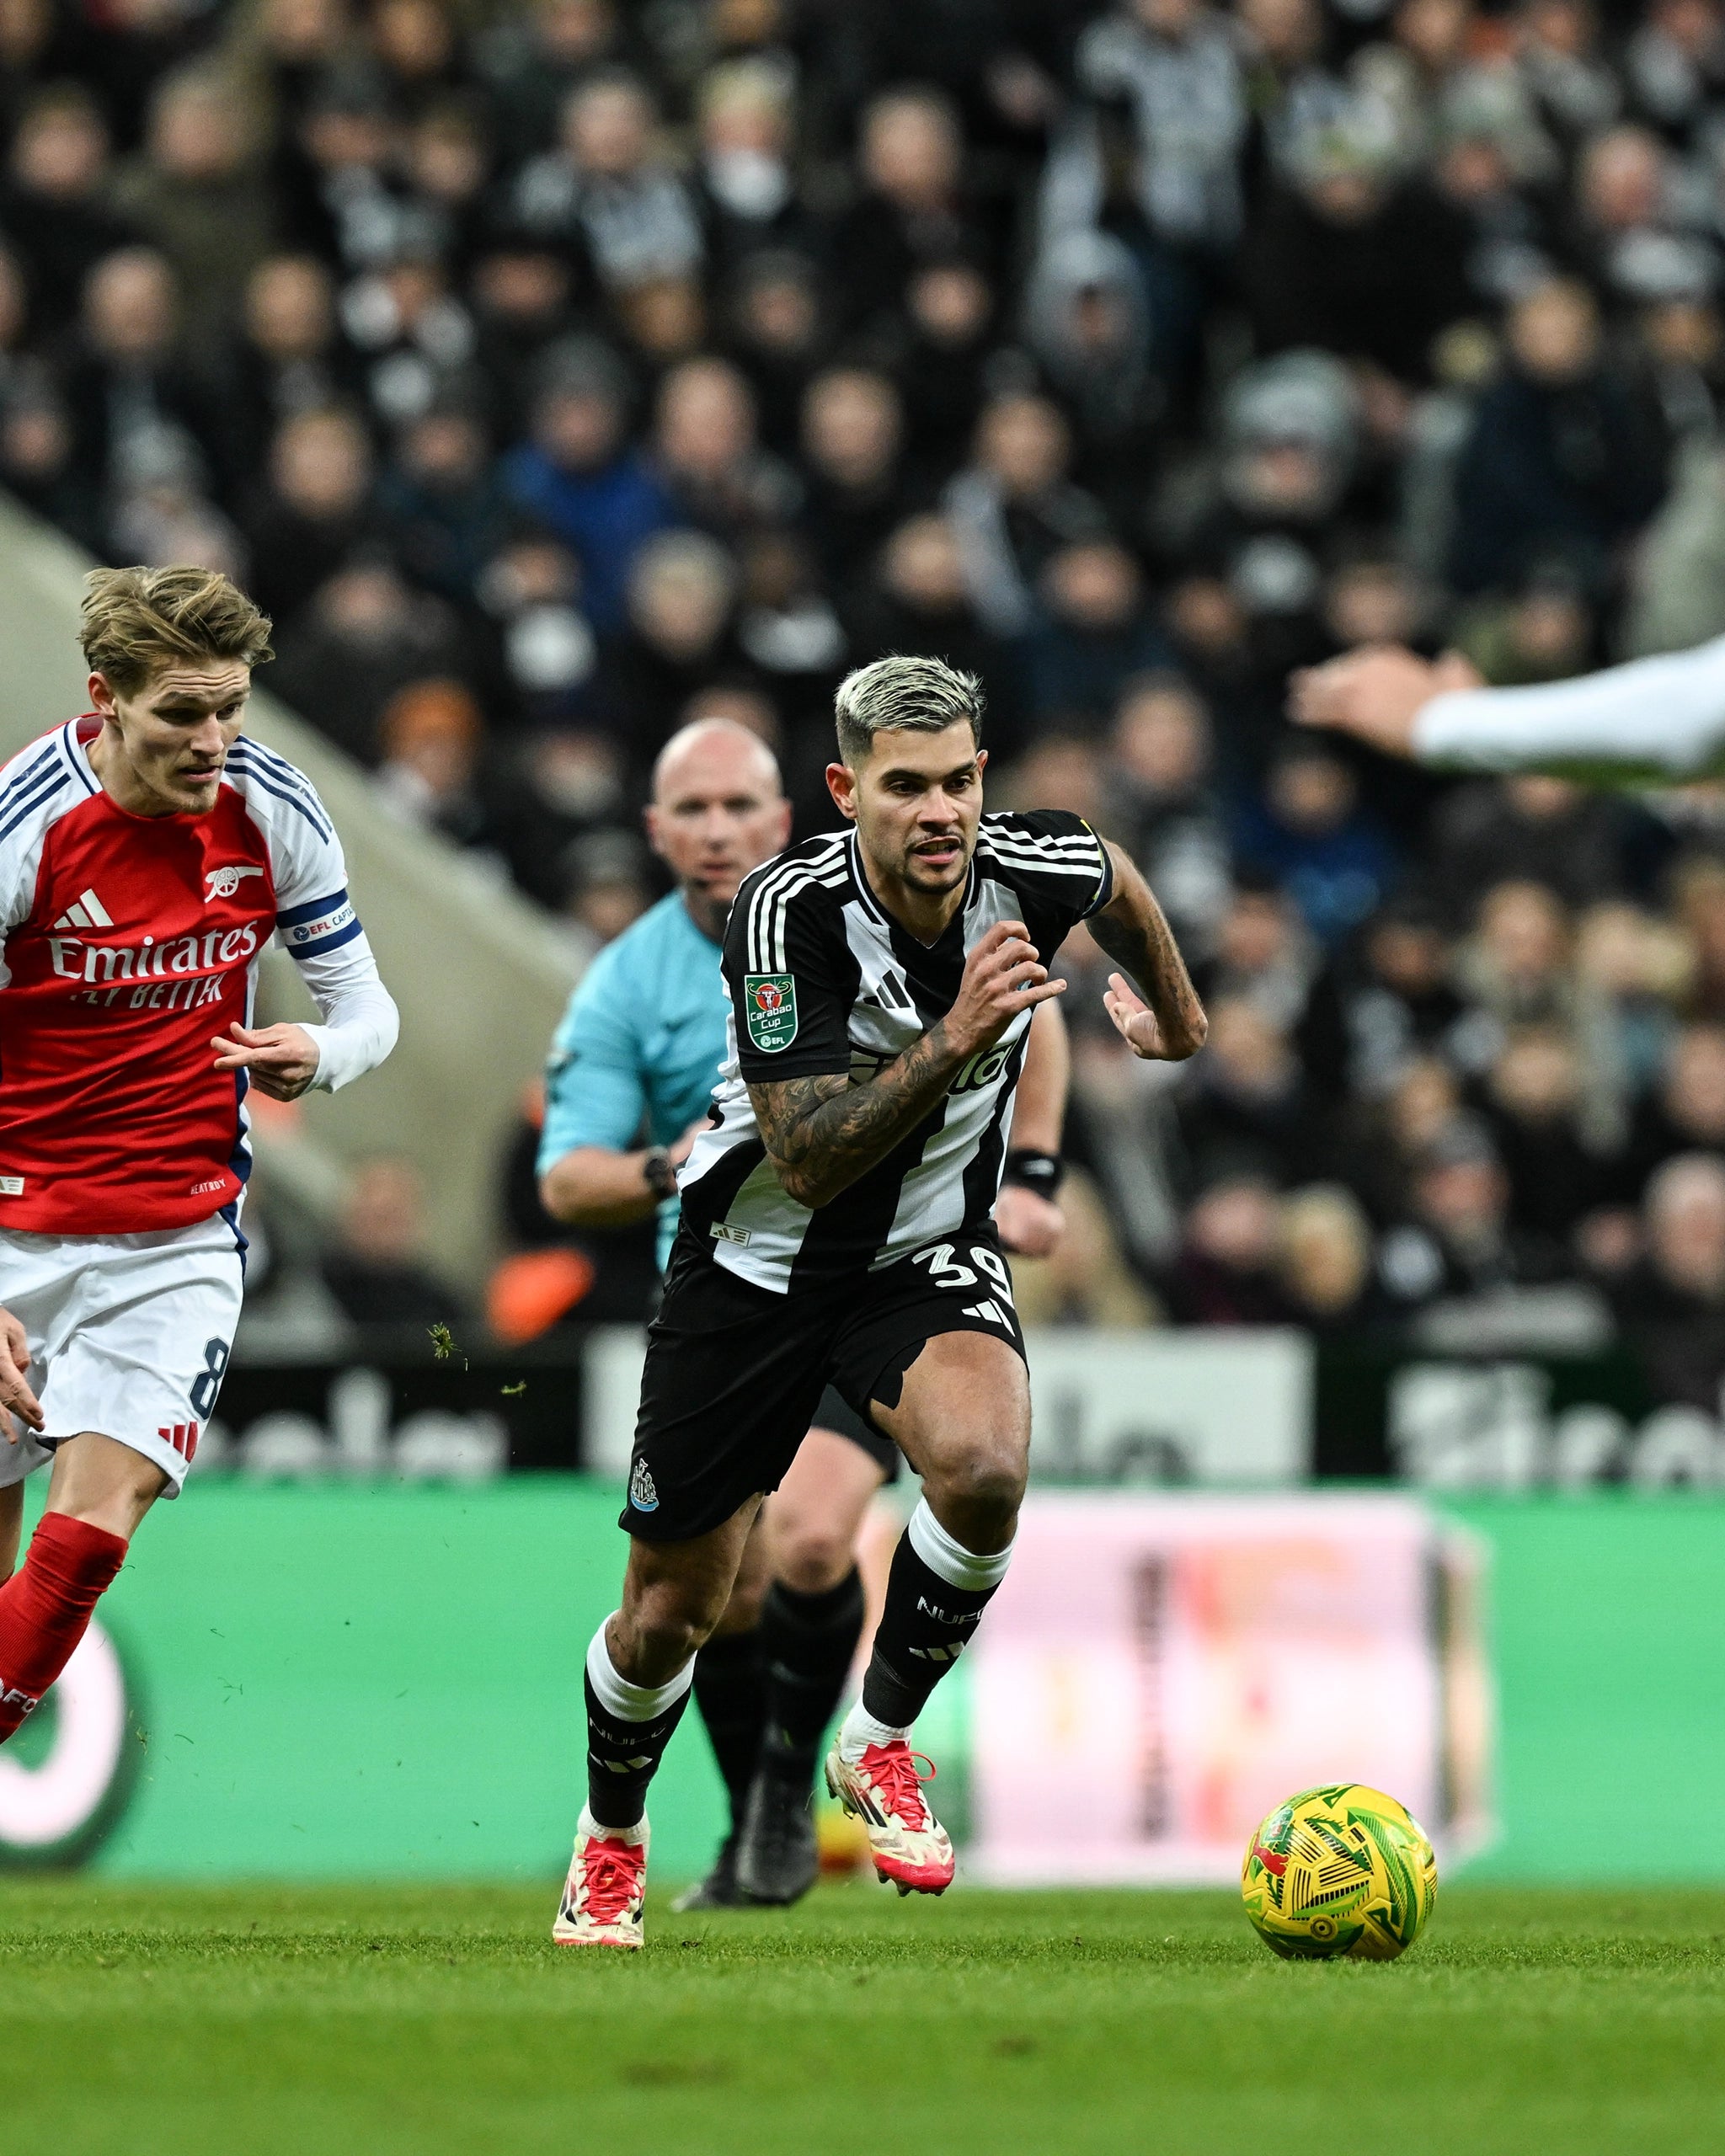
444,1344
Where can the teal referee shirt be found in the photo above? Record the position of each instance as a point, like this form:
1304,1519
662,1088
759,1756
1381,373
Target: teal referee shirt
640,1044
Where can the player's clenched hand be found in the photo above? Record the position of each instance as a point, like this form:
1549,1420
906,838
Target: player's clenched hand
282,1060
1002,977
1377,694
16,1397
1028,1223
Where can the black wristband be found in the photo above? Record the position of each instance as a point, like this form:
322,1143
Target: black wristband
1031,1171
657,1172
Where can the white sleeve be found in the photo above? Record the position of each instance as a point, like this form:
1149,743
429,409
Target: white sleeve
315,919
360,1019
1656,719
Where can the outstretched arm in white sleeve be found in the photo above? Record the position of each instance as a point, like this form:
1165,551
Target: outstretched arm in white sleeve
320,932
1654,721
361,1023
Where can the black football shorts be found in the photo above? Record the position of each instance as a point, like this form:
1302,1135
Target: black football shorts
735,1374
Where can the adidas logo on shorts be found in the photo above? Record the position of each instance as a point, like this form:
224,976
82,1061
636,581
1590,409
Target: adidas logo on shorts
183,1439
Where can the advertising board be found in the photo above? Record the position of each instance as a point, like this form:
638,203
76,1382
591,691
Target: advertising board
360,1680
1159,1672
1217,1407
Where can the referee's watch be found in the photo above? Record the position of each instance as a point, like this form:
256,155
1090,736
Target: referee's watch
658,1173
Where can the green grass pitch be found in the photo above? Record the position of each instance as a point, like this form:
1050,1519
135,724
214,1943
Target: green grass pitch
408,2021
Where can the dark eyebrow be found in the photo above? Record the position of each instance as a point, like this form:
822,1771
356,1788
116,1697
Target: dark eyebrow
896,771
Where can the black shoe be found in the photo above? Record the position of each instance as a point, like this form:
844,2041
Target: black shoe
719,1889
779,1857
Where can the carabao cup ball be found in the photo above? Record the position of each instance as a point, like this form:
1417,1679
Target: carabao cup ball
1339,1870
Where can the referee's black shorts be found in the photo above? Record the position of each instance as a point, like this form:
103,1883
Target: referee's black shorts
735,1374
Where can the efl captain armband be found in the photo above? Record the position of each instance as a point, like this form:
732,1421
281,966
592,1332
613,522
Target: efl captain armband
1038,1172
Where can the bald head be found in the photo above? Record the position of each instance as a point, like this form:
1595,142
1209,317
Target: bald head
718,810
715,744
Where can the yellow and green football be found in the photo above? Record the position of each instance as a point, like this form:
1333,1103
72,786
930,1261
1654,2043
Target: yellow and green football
1344,1870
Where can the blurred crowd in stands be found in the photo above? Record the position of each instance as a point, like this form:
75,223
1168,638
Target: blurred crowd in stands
556,373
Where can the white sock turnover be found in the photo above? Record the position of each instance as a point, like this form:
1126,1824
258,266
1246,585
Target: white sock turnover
632,1702
949,1560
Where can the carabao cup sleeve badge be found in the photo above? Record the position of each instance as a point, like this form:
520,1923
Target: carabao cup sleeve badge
770,1005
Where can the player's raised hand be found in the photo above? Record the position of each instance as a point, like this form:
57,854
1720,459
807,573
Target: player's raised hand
1377,693
1002,977
282,1060
1136,1022
16,1397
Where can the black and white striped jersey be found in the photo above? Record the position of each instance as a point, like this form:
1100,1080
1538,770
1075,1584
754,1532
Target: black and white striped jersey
822,980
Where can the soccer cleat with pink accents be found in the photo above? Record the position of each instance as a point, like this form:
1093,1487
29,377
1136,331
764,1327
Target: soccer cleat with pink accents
884,1789
602,1895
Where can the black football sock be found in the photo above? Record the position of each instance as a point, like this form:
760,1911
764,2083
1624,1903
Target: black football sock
808,1642
935,1593
628,1727
730,1694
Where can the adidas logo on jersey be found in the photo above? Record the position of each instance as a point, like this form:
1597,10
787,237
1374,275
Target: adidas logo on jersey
89,912
891,995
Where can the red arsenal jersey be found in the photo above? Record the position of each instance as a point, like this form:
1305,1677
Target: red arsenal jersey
129,942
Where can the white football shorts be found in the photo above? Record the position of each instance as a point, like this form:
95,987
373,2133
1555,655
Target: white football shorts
129,1335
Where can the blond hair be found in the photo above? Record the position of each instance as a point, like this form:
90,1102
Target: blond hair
902,694
136,622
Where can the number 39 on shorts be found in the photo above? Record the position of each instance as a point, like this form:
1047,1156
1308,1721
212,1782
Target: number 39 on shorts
947,1267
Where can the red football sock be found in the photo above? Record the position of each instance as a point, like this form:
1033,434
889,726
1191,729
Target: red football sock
46,1606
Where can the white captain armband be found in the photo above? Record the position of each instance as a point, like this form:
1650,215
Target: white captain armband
323,925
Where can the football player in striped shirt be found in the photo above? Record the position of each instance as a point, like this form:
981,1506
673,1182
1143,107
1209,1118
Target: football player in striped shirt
639,1049
836,1229
148,854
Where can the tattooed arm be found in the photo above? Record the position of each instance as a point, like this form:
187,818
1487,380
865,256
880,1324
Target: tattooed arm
823,1134
1171,1025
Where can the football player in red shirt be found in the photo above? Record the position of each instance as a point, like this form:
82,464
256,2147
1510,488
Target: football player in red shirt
148,854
